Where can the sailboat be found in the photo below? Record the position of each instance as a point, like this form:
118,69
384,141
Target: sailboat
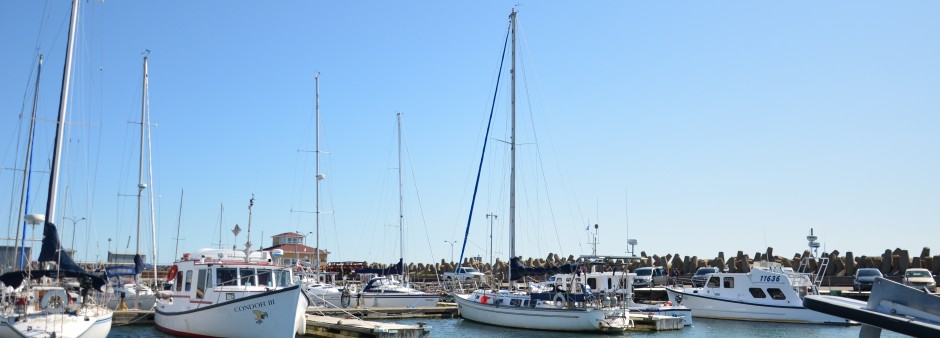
127,294
232,293
383,291
48,309
321,293
568,307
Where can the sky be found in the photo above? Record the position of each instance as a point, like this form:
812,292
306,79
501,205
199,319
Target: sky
693,127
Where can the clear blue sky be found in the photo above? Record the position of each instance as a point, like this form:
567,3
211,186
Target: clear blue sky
705,126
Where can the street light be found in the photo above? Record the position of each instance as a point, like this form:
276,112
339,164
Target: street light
451,249
74,225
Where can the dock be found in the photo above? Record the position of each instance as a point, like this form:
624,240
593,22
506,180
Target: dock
332,327
132,317
643,322
442,311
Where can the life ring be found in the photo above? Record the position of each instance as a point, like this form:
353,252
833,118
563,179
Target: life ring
53,301
344,299
560,300
170,274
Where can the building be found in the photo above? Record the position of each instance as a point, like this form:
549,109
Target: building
295,249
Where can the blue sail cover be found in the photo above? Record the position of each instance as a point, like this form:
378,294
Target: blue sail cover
117,271
51,251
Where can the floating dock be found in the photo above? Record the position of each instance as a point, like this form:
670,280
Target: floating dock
332,327
445,311
132,317
642,322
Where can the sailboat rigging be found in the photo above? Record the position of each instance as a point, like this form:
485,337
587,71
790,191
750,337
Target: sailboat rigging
85,319
566,306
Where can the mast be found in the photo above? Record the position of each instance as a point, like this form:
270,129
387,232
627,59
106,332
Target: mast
251,203
24,197
221,210
140,175
60,124
179,222
316,260
401,207
512,166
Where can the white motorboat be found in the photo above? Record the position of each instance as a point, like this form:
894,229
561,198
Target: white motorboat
766,293
224,293
385,292
132,295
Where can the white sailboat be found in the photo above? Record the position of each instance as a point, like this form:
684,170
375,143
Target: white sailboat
386,292
571,310
322,294
133,294
232,293
38,309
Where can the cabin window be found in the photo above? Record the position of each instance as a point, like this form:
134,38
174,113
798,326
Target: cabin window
282,278
729,282
757,293
189,280
776,293
226,276
714,282
592,282
179,281
246,276
610,284
201,279
265,278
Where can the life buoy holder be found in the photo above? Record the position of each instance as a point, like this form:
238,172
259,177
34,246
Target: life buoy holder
53,301
560,300
170,274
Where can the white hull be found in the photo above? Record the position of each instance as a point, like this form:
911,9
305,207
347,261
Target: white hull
271,314
324,300
705,306
370,300
57,325
535,318
670,311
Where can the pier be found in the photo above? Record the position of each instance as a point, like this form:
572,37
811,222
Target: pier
332,327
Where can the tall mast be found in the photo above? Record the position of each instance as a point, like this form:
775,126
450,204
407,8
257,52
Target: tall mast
512,166
251,203
401,207
60,124
221,210
316,260
179,222
24,198
140,173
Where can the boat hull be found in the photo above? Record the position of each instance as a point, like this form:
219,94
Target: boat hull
390,300
536,318
271,314
705,306
57,325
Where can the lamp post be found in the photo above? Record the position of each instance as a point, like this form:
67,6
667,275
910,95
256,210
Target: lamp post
451,249
74,225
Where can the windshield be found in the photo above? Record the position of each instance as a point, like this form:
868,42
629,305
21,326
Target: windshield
644,272
705,271
917,273
866,273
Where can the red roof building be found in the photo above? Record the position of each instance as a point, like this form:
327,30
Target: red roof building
295,249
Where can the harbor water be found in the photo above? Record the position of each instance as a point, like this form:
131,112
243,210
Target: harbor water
702,328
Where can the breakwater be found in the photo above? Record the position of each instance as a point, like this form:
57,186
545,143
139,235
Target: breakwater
891,262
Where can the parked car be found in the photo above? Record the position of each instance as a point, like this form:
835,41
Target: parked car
864,278
920,278
463,273
650,276
701,275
